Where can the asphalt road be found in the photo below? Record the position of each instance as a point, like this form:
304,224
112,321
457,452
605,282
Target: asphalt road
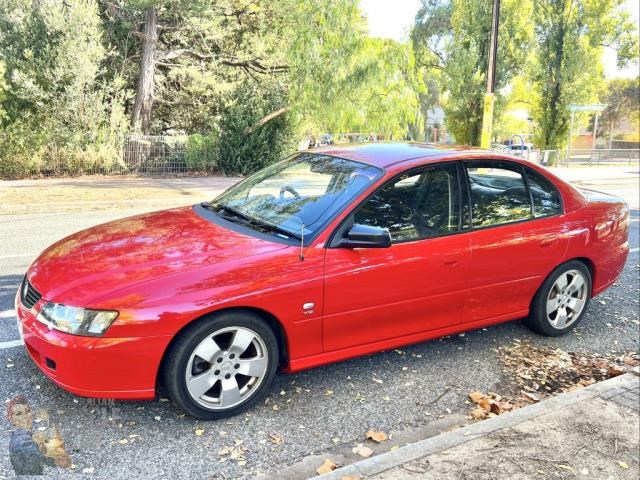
323,412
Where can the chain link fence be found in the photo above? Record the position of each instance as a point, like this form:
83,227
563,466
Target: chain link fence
582,157
136,155
160,155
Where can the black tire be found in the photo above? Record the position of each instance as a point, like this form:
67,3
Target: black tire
538,320
176,361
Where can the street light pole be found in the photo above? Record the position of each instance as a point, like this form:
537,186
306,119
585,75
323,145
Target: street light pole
489,97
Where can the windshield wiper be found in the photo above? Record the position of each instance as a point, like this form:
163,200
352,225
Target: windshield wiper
248,220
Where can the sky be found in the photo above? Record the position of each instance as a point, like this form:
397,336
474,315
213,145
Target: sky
393,19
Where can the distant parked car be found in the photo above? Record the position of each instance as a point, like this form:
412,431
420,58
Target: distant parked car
326,139
324,256
499,147
521,150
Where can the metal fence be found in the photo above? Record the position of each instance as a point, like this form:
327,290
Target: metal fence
135,155
195,155
583,157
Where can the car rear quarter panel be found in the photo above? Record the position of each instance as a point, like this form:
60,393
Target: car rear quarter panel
600,233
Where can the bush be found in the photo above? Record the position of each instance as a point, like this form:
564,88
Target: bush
201,153
245,154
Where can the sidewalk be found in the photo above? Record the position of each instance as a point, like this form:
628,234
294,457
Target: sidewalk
589,433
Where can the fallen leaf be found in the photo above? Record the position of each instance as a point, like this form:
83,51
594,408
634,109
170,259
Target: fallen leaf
376,436
326,467
623,465
615,371
351,477
363,451
565,467
199,431
275,439
479,413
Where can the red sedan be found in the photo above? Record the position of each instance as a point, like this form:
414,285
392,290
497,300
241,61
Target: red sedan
324,256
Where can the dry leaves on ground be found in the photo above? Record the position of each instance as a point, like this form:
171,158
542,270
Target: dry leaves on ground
540,371
376,436
547,370
235,453
363,451
326,467
492,404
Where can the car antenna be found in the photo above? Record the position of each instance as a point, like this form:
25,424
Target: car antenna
302,242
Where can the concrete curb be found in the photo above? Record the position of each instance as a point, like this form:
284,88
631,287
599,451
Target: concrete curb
380,463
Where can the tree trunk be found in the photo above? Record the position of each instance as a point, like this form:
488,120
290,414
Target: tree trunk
141,117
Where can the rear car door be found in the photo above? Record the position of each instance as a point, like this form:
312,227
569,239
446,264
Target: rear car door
417,284
517,237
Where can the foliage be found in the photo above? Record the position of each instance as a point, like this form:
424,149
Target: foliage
455,36
51,94
622,99
242,154
570,35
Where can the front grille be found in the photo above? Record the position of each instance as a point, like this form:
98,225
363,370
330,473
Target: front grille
29,296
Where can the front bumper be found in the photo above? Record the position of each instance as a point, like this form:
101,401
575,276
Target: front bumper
99,367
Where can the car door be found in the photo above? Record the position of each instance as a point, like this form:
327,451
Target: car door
416,284
516,239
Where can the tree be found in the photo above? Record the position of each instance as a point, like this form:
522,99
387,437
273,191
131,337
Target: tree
623,102
50,92
571,35
456,36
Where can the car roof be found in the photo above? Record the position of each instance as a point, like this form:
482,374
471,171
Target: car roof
385,154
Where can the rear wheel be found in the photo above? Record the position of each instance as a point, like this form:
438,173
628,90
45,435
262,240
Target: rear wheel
221,365
563,298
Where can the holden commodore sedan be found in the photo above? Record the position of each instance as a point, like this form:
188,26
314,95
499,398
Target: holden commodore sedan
325,256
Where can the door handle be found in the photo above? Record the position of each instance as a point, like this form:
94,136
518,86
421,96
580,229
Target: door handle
548,241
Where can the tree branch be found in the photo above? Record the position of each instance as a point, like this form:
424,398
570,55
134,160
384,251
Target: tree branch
249,130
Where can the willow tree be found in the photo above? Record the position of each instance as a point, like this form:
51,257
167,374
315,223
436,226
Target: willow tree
571,35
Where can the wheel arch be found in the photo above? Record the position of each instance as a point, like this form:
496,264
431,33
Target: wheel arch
590,266
271,320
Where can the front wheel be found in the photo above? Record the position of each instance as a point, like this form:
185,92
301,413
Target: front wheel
561,301
220,365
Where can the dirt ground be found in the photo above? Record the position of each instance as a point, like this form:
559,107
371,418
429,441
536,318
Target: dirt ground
591,439
100,193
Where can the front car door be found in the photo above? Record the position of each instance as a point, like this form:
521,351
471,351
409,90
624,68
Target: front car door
417,284
516,237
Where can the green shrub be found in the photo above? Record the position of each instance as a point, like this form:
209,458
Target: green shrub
245,154
201,153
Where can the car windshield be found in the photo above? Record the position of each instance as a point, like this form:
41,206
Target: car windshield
303,191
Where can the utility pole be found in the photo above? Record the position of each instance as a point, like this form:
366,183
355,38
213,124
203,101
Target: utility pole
489,97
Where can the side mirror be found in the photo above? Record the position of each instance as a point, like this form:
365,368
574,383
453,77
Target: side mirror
365,236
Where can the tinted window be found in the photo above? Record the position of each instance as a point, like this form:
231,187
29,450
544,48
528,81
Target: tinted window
420,205
546,198
498,194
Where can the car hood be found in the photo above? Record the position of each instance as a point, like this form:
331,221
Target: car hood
95,262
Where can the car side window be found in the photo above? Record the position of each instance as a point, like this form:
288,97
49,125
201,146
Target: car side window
546,198
418,205
498,193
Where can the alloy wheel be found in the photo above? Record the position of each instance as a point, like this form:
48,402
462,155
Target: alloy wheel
566,299
226,368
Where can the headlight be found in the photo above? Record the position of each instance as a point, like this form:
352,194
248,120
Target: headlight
77,321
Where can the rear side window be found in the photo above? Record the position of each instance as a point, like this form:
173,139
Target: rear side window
546,198
498,193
